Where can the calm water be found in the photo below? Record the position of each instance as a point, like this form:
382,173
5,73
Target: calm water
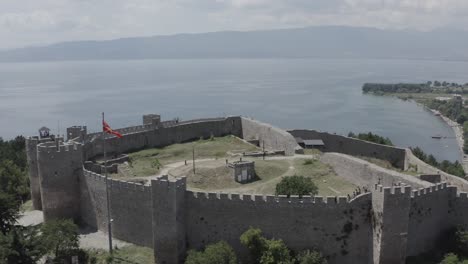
310,93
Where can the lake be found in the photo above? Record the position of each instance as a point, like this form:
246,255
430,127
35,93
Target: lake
322,94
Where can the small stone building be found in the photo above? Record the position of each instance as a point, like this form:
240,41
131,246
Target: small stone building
243,171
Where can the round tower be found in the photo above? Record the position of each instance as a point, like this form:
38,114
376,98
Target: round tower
31,154
59,169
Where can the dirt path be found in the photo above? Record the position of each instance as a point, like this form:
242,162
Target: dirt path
262,186
166,168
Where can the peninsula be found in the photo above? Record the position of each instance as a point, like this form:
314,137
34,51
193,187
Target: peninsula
444,99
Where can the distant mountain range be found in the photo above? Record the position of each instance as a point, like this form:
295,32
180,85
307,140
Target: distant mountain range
318,42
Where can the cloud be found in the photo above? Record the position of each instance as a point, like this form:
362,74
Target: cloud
37,20
32,22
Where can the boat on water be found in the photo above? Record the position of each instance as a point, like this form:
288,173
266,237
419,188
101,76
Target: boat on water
437,137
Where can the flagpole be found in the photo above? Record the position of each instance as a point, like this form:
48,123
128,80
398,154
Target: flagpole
109,224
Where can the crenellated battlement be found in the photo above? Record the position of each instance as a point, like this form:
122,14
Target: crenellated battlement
394,190
274,200
116,184
50,147
164,180
432,189
93,175
134,129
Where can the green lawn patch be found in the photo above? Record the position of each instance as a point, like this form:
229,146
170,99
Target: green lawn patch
125,255
149,161
324,177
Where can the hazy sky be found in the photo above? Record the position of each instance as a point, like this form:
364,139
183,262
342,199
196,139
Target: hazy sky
33,22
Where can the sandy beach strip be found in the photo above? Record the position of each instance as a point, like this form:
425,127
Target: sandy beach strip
458,130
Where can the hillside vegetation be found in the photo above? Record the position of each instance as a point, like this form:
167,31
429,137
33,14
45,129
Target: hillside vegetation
428,87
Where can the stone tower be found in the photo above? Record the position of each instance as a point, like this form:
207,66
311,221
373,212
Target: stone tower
152,120
31,154
77,132
169,219
391,207
59,169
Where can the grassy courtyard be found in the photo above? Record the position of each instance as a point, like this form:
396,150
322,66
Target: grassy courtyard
216,177
149,161
213,175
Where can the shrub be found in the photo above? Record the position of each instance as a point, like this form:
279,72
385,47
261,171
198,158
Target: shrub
450,259
273,251
296,185
255,242
276,252
371,138
22,244
219,253
461,241
60,237
311,257
155,163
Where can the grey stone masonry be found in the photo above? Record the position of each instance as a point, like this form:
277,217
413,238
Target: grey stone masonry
403,216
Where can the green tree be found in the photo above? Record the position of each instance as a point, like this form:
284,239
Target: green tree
311,257
219,253
60,237
255,242
21,245
296,185
461,119
461,241
14,150
9,211
13,181
372,138
431,160
450,258
276,252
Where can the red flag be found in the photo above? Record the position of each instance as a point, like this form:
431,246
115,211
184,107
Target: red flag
106,128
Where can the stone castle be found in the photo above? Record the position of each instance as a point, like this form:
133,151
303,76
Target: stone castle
399,216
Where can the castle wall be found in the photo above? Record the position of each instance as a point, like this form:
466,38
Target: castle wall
458,209
391,208
169,227
131,208
59,168
363,173
273,137
423,167
340,229
355,147
180,132
429,218
383,227
77,133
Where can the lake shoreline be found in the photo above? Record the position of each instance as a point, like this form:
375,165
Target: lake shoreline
458,130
